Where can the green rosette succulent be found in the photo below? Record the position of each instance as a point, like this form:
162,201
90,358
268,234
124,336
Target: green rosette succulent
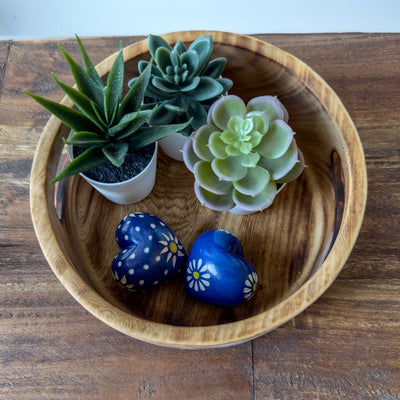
184,82
106,124
243,154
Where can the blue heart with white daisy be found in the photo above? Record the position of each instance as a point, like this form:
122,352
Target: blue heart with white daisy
217,271
150,252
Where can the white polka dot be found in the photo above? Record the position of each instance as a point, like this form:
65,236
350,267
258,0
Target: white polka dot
158,258
155,282
119,226
141,282
152,226
137,229
166,272
126,237
131,271
145,267
124,251
132,256
119,264
128,222
162,223
150,237
141,216
146,250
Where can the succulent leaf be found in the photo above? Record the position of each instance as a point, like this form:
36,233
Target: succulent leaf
200,145
214,201
133,100
258,202
191,59
116,152
276,141
113,90
91,158
83,103
163,60
180,47
83,80
229,169
89,67
215,67
203,46
189,156
206,89
217,147
295,172
148,135
254,182
205,175
223,109
86,139
279,167
155,42
72,118
270,105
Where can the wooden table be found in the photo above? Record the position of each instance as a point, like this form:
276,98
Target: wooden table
344,346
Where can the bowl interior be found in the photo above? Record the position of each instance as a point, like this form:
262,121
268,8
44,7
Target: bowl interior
287,243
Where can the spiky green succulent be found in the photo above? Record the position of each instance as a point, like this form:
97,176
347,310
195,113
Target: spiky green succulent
106,124
184,82
242,153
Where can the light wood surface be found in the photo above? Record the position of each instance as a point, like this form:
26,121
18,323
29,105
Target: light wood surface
344,345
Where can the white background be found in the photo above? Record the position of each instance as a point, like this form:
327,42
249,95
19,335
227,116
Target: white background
29,19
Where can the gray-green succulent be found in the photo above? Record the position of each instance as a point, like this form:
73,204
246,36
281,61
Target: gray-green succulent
184,82
242,153
106,124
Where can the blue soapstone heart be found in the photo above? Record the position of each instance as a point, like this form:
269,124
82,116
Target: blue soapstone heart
150,252
217,272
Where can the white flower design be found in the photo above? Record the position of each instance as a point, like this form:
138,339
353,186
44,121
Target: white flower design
172,247
250,285
197,275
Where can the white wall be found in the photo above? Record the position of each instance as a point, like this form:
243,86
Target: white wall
26,19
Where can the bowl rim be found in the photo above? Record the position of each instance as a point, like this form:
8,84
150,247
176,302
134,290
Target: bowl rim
234,332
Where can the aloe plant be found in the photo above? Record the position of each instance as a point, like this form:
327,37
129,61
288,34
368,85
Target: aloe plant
244,151
106,124
184,82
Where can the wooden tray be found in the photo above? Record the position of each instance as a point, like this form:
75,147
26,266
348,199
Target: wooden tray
298,245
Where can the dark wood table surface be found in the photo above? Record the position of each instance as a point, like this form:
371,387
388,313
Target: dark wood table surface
344,346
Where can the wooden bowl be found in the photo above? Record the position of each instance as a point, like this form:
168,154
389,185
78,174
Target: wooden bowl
298,245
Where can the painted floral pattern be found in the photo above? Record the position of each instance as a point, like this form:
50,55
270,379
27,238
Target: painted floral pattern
250,285
198,275
172,247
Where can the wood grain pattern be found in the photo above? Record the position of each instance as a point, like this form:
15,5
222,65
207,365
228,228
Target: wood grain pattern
345,345
291,244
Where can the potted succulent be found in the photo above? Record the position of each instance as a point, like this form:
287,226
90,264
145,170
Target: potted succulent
243,154
184,83
111,145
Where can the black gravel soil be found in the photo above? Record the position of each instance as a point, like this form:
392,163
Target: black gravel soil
133,165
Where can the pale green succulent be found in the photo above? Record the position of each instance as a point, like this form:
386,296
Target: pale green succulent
184,82
242,153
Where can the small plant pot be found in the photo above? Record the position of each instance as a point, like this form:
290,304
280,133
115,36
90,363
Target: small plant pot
130,191
172,145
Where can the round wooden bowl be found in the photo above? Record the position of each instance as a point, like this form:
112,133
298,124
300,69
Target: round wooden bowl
298,245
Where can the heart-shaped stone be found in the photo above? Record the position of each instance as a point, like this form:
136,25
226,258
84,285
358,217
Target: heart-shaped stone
150,252
217,272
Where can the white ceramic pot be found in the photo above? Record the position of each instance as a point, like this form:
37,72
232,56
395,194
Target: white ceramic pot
172,145
130,191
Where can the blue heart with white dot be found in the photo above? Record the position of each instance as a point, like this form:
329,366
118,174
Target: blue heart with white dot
150,252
